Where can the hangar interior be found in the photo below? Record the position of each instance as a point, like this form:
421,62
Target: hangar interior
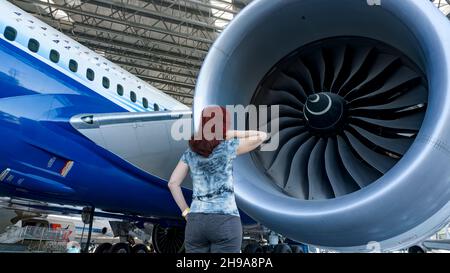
164,43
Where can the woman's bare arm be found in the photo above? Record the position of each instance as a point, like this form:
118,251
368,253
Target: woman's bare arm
177,177
242,134
248,140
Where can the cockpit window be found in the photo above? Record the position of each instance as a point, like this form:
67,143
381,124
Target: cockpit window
90,75
73,65
10,33
155,107
33,45
133,96
105,82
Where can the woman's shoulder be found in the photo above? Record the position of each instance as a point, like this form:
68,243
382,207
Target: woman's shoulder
232,143
187,155
228,145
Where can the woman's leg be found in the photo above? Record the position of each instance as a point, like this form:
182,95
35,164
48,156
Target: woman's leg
195,240
225,233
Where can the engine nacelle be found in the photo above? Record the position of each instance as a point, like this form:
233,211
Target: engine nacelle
376,176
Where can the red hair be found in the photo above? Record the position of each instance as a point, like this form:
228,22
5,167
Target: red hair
214,123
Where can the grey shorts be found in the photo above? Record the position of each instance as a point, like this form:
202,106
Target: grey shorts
213,233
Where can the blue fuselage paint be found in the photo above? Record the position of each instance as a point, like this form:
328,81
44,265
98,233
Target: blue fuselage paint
37,140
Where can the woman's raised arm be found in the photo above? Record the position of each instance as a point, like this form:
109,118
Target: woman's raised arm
248,140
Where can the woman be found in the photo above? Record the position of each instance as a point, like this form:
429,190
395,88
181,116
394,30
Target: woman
213,222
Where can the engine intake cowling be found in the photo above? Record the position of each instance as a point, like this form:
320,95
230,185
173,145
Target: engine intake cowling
364,97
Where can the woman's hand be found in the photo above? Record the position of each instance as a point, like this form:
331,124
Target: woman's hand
186,213
248,140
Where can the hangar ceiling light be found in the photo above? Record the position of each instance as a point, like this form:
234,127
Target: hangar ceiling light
57,14
443,5
225,14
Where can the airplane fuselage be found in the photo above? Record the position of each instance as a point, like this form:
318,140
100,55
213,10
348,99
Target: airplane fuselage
42,157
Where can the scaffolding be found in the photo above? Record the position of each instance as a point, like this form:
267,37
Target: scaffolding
36,239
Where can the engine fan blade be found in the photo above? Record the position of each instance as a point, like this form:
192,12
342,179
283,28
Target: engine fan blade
284,136
387,114
383,66
284,122
316,65
414,96
361,59
345,69
329,69
297,183
361,172
396,145
287,83
301,73
380,162
341,182
401,80
281,97
410,122
279,169
289,111
319,185
339,55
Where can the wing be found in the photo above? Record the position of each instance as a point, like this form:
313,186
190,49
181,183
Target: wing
150,141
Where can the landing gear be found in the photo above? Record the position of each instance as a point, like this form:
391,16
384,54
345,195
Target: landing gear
416,249
253,248
120,248
267,248
127,233
282,248
259,239
132,239
87,215
103,248
168,239
140,248
297,249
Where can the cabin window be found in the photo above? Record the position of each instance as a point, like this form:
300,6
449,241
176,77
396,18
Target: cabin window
10,33
105,82
90,75
54,56
133,96
145,103
155,107
73,66
33,45
120,90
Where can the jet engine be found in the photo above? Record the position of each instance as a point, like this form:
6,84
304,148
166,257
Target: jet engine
363,89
